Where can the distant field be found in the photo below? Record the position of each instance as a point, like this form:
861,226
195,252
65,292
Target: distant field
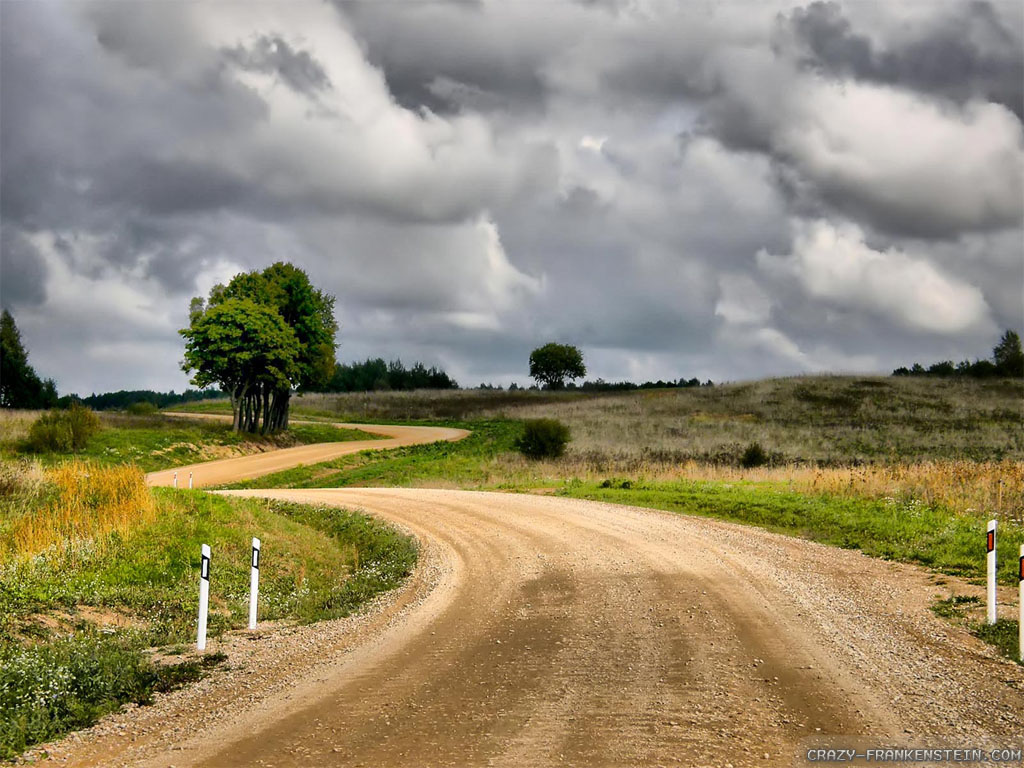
819,420
157,441
957,444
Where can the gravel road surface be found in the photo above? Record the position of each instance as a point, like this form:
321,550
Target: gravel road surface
540,631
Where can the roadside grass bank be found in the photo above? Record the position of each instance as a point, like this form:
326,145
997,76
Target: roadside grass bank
106,615
912,532
969,611
468,462
157,441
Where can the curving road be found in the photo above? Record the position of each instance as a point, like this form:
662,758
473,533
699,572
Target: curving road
540,631
247,467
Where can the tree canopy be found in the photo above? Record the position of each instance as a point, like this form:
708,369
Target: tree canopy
553,363
257,338
20,386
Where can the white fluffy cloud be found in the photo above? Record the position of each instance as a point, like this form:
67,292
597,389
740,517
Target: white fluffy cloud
833,264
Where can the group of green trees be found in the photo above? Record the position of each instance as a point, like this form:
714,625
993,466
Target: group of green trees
20,386
1007,362
258,338
375,374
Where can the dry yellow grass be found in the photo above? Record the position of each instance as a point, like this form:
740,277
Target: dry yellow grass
85,503
993,488
14,424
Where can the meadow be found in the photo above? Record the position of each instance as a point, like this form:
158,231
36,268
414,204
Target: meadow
958,444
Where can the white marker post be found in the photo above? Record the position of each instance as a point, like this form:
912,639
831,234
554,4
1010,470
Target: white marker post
254,582
175,479
1020,575
990,545
190,481
204,597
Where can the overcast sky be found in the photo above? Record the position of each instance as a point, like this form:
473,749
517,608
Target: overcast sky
724,190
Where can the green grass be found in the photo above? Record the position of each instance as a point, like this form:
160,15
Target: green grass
1003,634
58,672
160,442
463,463
908,532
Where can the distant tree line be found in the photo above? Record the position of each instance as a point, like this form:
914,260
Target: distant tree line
20,385
375,374
120,400
1007,362
600,385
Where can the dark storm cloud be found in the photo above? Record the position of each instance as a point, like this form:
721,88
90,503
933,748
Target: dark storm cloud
701,190
22,272
968,53
272,54
450,55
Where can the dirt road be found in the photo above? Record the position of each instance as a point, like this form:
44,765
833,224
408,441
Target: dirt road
246,467
540,631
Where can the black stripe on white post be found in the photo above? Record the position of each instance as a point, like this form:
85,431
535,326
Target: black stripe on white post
254,582
204,597
190,481
990,546
1020,601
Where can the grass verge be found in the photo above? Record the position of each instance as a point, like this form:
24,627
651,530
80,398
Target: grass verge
79,621
910,531
464,463
961,609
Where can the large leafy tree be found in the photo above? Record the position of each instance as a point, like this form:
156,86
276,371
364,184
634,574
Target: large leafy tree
20,386
553,363
247,350
306,312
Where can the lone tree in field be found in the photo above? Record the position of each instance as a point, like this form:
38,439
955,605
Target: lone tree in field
1008,356
258,337
553,363
20,387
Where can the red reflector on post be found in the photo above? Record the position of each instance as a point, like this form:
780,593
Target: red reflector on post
991,541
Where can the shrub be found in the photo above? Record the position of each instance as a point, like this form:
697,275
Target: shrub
142,408
61,431
754,456
543,439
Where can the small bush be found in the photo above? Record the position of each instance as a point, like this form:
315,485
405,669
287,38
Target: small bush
543,439
142,408
63,431
754,456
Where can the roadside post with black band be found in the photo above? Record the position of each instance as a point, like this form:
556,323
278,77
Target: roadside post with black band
204,596
254,582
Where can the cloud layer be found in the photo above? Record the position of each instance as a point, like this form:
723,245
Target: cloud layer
699,190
